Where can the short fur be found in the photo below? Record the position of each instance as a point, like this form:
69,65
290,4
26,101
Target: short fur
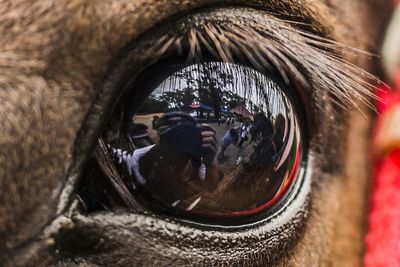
53,58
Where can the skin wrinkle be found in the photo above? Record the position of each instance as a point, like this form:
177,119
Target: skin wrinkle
50,57
195,250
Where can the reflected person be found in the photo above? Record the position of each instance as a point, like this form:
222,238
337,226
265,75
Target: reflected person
184,154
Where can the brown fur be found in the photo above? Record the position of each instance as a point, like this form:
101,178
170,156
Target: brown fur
53,55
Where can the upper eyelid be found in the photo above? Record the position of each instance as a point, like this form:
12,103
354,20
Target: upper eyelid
108,28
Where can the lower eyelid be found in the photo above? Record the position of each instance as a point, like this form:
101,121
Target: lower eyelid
144,234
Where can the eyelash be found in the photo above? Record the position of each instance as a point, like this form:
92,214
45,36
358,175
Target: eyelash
310,61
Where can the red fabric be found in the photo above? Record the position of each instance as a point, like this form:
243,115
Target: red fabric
383,238
383,247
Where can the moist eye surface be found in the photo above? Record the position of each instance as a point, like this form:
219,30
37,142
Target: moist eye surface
206,142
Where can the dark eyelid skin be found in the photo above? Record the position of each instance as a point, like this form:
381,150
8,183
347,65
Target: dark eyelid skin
79,54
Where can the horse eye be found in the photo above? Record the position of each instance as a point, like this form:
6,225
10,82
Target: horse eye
207,142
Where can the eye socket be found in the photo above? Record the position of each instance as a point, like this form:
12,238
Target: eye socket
209,142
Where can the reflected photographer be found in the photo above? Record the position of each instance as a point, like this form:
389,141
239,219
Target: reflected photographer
179,134
183,156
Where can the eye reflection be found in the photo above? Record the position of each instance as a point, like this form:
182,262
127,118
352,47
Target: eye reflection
211,140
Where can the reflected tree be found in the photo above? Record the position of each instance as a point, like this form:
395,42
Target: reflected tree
180,99
219,86
209,80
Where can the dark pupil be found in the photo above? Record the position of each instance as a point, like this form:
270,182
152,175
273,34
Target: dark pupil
211,140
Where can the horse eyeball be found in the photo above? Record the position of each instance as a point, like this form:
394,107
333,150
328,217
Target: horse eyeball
209,142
